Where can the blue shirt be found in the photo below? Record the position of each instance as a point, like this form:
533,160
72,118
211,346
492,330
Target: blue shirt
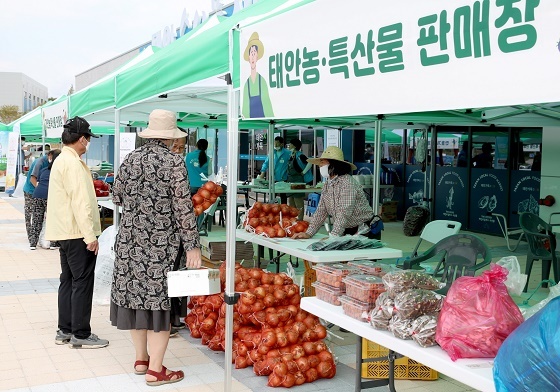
42,189
281,161
29,187
194,169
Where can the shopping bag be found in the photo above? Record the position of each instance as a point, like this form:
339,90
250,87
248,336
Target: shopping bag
528,360
515,280
43,243
104,267
554,292
478,314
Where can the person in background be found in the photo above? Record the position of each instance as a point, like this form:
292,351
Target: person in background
281,162
369,156
28,189
484,160
40,200
73,221
198,163
342,198
537,162
152,187
462,157
22,156
299,171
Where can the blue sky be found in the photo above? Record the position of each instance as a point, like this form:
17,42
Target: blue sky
52,41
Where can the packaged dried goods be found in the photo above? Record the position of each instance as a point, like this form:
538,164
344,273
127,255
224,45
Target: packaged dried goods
327,293
424,330
401,327
354,308
417,302
332,274
364,288
402,280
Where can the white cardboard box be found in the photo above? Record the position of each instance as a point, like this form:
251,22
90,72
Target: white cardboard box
203,281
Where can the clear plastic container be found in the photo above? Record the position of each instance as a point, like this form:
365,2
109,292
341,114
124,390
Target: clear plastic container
355,308
371,267
365,288
328,293
332,274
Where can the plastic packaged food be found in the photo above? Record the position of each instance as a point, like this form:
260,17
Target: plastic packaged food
382,312
401,327
332,274
327,293
417,302
355,308
423,330
372,267
364,288
398,281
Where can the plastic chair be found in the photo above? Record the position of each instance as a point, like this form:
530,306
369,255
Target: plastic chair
542,246
459,256
433,232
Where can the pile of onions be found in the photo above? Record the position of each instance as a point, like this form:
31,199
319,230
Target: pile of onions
206,196
274,220
270,330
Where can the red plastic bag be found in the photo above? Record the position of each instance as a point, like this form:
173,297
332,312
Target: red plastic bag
478,314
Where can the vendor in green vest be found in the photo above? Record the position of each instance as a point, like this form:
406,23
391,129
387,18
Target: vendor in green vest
256,101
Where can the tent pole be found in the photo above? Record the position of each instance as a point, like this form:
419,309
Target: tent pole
377,166
231,223
117,159
271,163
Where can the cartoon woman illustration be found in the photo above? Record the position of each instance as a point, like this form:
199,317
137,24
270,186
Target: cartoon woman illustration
256,101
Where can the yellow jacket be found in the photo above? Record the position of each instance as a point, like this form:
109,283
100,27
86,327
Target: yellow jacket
72,210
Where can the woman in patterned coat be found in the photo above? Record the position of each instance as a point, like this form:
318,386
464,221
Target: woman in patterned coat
157,213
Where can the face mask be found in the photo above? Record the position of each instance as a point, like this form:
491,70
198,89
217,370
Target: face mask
324,170
277,148
50,160
86,145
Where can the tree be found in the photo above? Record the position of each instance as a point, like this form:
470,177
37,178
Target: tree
9,113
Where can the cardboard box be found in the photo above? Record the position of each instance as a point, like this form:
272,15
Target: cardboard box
389,211
214,248
203,281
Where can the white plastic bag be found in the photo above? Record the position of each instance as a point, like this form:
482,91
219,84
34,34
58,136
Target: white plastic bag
18,192
104,267
554,292
516,280
43,243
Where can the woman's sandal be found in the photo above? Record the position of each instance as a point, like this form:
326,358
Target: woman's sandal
164,378
141,363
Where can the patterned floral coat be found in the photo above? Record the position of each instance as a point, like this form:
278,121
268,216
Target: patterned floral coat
153,189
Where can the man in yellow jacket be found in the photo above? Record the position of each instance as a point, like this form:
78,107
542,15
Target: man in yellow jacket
73,221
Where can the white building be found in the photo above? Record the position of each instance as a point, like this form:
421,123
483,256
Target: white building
20,90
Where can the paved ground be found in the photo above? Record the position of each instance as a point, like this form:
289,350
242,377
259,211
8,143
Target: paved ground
32,362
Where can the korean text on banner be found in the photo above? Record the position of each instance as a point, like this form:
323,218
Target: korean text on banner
54,117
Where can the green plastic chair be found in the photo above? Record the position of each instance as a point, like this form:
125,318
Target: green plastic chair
542,245
458,255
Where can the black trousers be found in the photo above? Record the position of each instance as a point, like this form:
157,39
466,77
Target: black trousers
75,292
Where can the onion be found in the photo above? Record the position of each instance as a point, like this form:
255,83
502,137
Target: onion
254,356
302,314
310,321
209,186
292,366
320,331
313,360
269,300
278,280
268,338
284,315
280,369
309,348
324,368
267,278
266,208
281,339
289,381
274,380
292,336
204,193
263,350
311,375
302,364
255,273
325,356
240,362
299,327
300,378
258,306
260,292
279,294
248,298
218,190
297,351
241,349
272,319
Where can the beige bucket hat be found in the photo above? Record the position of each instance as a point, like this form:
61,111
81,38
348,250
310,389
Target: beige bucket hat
254,41
331,153
162,124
